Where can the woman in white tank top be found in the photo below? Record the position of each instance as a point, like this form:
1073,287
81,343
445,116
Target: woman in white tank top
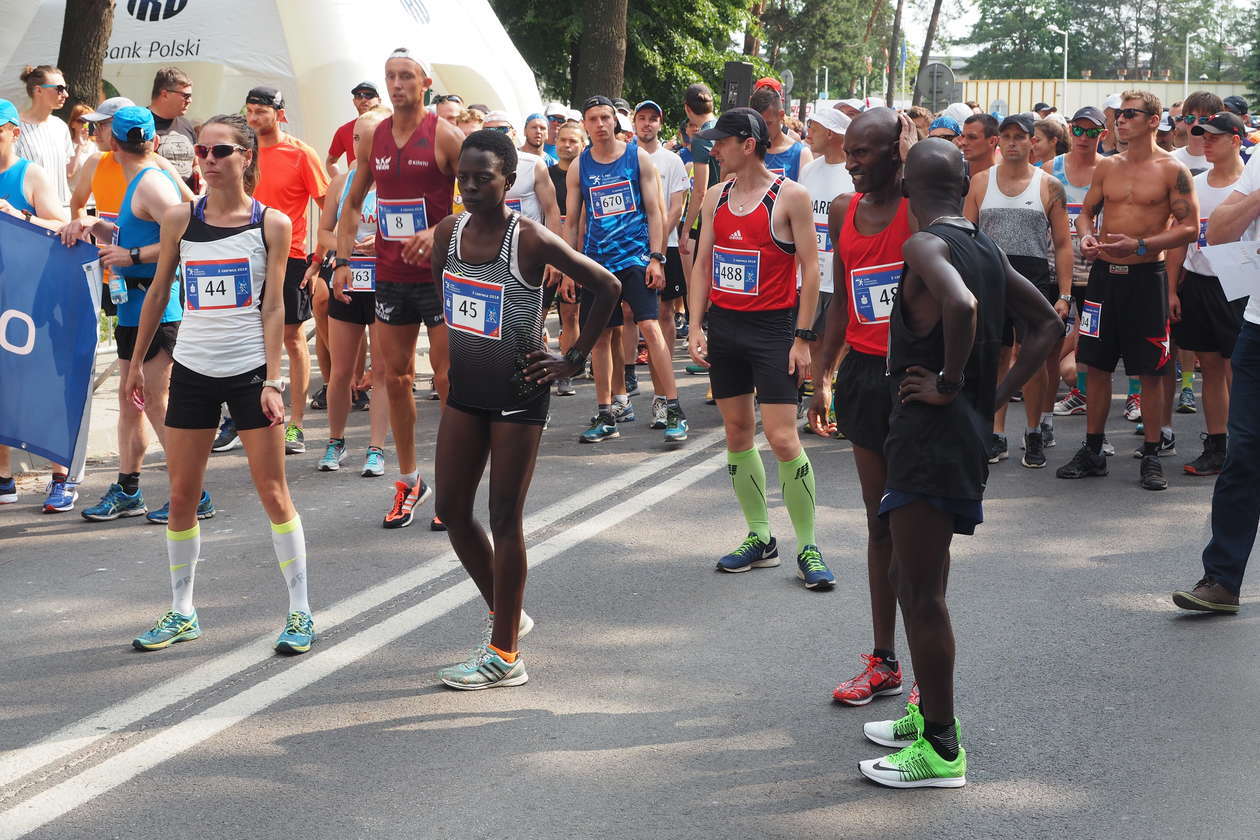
231,251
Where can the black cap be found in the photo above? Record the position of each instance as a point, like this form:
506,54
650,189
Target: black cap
1089,112
620,104
739,122
484,109
1042,106
263,95
1222,123
596,101
367,86
1236,104
1021,121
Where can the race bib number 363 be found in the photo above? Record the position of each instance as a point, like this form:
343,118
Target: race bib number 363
400,219
735,271
363,274
472,306
874,289
218,284
612,199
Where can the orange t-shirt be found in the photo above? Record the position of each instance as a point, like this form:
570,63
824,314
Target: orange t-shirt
290,174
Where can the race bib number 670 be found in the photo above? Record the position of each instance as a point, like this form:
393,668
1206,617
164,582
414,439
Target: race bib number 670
612,199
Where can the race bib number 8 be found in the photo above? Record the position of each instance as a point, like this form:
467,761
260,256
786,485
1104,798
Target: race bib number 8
612,199
472,306
736,272
401,219
218,284
1091,316
363,274
874,289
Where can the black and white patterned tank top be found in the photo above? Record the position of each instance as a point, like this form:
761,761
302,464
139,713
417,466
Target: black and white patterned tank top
494,320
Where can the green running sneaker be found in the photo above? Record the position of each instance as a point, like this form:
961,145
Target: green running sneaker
172,627
298,633
898,733
916,766
486,670
294,440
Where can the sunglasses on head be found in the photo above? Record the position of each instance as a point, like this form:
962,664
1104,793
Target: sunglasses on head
185,94
448,97
1132,113
502,129
1079,131
58,88
218,150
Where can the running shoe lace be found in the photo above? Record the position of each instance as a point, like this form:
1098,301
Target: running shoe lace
868,673
400,498
812,562
330,451
297,623
290,434
168,622
113,496
751,543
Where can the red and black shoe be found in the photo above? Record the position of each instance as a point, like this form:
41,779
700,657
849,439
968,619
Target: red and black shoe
406,499
876,680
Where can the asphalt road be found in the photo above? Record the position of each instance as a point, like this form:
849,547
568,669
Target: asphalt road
665,700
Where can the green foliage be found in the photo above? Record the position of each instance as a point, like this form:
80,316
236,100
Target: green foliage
805,35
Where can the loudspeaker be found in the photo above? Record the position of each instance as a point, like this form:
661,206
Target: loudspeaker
736,85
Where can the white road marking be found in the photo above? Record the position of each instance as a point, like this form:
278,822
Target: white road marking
64,797
17,763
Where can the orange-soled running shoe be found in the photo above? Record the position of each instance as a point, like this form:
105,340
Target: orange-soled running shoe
876,680
406,499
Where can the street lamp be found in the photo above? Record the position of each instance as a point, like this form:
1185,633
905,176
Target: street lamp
1185,89
1057,31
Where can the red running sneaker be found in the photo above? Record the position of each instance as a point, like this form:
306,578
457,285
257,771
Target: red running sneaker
406,499
876,680
642,358
914,693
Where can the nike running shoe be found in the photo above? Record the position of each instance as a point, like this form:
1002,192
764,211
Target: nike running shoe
374,463
602,428
876,680
998,450
319,401
916,766
406,499
61,496
1167,446
114,504
675,425
298,633
1034,454
205,510
564,387
172,627
1133,408
294,440
8,491
227,437
1211,462
1186,403
1152,474
334,454
751,554
658,414
697,370
623,412
1073,403
1084,464
487,670
811,569
899,733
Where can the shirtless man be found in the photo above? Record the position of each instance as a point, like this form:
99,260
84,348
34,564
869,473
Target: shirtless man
1150,208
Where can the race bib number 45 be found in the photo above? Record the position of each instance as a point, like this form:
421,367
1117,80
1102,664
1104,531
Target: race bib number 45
363,274
218,284
874,289
737,272
612,199
402,218
472,306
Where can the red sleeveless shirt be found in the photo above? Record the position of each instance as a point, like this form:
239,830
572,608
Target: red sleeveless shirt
752,270
412,194
873,266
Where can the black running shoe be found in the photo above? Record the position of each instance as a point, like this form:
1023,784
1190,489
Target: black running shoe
362,401
1034,456
1153,474
1084,464
997,449
319,402
1211,462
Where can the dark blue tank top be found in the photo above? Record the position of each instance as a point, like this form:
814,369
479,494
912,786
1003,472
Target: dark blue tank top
786,163
616,224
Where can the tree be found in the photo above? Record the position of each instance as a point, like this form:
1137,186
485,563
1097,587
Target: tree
894,54
601,57
85,35
845,36
926,55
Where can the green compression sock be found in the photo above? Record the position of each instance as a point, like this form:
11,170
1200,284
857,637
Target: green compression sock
797,477
1187,378
1135,385
748,476
1081,377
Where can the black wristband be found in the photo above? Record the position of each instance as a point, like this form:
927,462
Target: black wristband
944,386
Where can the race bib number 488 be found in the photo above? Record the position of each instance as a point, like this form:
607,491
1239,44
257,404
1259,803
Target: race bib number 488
218,284
874,289
735,271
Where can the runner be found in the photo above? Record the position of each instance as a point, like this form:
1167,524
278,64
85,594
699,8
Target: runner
132,254
570,138
869,228
755,232
447,107
1203,320
946,128
348,316
45,139
614,194
1150,207
170,100
698,105
1024,211
786,157
492,261
365,97
289,178
945,330
979,143
535,136
413,156
228,249
1198,108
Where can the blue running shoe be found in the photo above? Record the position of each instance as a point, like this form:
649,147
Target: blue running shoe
172,627
298,633
374,464
602,428
334,454
811,569
632,383
205,510
116,503
751,554
675,424
485,670
227,437
61,496
623,412
8,491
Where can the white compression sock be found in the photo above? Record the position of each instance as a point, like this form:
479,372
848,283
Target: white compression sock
182,551
290,544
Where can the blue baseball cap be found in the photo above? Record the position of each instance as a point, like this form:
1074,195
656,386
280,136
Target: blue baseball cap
133,124
533,117
9,113
947,123
648,103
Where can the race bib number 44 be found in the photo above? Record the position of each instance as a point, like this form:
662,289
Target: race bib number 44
472,306
401,219
874,289
612,199
218,284
363,274
737,272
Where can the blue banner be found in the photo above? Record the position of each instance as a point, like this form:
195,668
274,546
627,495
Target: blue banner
49,299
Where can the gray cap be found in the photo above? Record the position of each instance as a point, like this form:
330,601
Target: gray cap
107,109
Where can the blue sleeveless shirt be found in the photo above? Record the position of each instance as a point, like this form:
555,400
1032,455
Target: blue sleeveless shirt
786,163
134,232
12,180
616,223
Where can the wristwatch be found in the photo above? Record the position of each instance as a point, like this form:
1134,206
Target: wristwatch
135,256
1068,298
576,358
807,335
278,384
1141,248
944,386
658,256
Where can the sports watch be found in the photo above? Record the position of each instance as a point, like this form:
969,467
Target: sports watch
576,358
341,262
278,384
658,256
1141,248
135,256
944,386
806,335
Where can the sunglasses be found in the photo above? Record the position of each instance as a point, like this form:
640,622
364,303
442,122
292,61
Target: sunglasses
219,150
364,94
1132,113
448,97
502,129
58,88
185,94
1191,119
556,118
1078,131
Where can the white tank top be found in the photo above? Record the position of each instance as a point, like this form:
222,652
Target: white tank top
224,270
521,197
1210,198
1017,223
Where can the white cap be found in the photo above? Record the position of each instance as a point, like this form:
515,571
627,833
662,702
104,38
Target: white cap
403,52
1165,124
960,111
574,115
1114,102
107,109
831,119
855,104
555,109
500,116
1058,118
623,122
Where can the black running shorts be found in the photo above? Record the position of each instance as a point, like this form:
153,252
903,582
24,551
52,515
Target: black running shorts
360,310
675,277
1124,314
634,291
532,413
406,304
748,351
863,400
1209,323
297,301
163,339
194,399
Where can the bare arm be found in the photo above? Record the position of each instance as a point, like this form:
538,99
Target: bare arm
928,257
326,233
1042,330
83,187
174,223
699,281
801,219
545,192
277,231
1091,207
49,213
1231,219
575,204
347,226
1055,200
699,188
975,195
653,203
1184,206
827,357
